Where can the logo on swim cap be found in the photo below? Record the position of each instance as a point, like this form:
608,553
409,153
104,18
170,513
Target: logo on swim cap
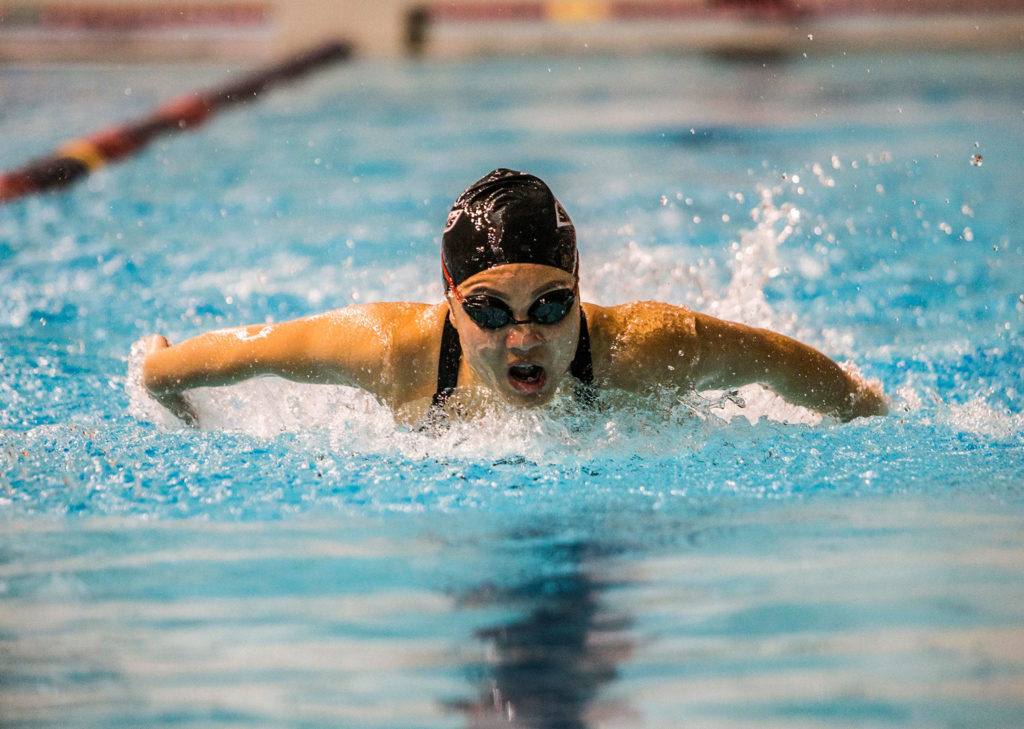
561,217
453,218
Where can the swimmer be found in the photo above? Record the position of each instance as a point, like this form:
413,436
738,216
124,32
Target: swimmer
512,328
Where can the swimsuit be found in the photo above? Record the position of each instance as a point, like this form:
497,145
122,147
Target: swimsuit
582,368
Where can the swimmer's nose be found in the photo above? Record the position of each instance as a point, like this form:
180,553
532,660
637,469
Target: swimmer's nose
522,338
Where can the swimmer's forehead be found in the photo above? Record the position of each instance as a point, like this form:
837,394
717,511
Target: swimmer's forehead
517,278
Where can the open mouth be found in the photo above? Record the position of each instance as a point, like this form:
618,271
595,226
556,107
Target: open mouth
526,378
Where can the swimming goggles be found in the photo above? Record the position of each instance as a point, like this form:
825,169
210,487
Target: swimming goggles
490,312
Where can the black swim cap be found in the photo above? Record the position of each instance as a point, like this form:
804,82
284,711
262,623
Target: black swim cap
506,217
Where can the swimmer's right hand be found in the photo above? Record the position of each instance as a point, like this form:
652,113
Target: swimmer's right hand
171,399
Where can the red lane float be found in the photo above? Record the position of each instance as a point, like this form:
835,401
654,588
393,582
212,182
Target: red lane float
76,158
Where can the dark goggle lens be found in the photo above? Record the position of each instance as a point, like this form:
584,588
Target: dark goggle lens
491,313
552,307
487,312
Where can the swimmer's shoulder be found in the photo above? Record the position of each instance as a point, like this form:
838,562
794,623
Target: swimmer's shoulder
394,324
393,345
415,349
416,329
638,343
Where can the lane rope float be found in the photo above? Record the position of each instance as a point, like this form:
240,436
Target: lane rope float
76,158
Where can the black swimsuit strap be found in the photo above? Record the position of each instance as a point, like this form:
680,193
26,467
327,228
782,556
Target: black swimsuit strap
582,368
447,363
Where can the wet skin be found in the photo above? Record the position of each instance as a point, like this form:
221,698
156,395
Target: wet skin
391,350
506,360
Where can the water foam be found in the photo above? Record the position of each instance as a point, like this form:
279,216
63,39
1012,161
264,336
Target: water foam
265,407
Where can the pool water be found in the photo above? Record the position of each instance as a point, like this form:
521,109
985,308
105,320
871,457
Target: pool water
722,560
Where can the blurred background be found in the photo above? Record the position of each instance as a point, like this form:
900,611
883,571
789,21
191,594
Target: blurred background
151,29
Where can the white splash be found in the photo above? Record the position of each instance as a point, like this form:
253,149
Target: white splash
979,417
267,406
755,262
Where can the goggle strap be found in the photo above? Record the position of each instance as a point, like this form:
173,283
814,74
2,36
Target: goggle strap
451,284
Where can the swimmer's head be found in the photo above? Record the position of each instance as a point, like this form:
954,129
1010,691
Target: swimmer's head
506,217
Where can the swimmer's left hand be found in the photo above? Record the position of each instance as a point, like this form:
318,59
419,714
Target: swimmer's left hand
867,401
172,400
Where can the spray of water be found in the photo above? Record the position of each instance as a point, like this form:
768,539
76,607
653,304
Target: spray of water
265,407
665,422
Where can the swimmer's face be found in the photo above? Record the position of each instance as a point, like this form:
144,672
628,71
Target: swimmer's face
524,363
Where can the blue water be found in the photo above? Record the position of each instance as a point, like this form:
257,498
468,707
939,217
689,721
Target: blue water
303,561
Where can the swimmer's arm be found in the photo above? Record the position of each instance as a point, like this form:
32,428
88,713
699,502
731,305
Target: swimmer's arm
345,347
732,355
